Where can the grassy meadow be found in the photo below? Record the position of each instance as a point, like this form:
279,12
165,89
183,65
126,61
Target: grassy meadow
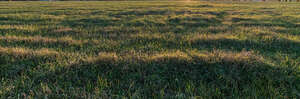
149,49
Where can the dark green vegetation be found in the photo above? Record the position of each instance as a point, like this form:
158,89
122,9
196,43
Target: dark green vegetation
149,49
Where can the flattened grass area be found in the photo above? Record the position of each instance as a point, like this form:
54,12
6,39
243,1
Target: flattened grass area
149,49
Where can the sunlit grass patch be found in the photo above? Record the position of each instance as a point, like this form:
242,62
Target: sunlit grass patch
63,30
29,28
24,53
104,57
209,37
176,56
192,56
42,40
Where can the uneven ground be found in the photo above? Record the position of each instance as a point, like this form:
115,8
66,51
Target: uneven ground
149,49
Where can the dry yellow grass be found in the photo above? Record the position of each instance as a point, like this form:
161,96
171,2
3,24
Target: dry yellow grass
105,57
27,53
210,37
63,29
20,27
246,58
39,39
169,56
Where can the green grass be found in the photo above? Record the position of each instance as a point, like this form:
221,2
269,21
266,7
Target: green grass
145,49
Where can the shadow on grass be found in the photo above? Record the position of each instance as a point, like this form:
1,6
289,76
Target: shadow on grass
91,22
169,76
177,24
291,31
286,25
287,22
273,46
20,21
263,46
142,13
194,21
14,66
